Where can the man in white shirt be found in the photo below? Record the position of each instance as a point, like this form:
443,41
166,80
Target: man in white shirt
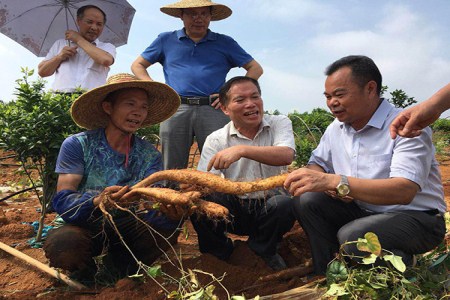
80,60
391,187
250,147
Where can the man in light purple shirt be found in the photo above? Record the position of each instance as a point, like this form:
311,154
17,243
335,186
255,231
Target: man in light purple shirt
389,187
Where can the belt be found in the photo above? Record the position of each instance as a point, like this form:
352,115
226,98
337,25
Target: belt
434,212
194,100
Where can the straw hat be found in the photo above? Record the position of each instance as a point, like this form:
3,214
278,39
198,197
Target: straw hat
87,110
218,11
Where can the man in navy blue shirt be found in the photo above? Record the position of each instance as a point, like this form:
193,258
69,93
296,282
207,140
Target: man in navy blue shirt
195,61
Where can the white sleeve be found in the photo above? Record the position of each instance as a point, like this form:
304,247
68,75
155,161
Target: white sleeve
210,148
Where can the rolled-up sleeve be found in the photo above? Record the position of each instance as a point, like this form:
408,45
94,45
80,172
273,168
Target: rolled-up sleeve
412,158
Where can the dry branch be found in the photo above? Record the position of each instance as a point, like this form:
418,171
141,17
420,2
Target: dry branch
42,267
288,273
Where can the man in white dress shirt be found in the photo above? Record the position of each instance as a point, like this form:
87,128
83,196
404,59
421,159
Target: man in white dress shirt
391,187
80,60
252,146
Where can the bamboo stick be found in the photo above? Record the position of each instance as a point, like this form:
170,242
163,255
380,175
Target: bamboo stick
42,267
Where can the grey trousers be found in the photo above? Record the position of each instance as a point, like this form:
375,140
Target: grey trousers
177,133
330,222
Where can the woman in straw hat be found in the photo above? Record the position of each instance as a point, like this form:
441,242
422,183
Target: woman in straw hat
196,62
106,160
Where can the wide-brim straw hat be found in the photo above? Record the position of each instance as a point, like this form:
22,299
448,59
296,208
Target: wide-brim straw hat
87,110
218,11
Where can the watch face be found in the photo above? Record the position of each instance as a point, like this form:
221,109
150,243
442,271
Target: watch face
343,190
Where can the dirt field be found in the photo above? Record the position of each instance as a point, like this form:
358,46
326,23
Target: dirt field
243,273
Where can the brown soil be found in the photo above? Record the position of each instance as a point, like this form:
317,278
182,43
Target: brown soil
242,273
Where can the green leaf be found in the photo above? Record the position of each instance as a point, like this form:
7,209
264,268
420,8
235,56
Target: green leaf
370,243
378,285
396,261
336,290
185,232
174,295
439,260
210,291
154,271
194,295
369,259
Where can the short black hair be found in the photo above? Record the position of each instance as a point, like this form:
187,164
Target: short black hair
223,93
363,69
81,10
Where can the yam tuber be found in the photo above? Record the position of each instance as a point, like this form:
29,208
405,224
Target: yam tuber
214,182
211,210
167,196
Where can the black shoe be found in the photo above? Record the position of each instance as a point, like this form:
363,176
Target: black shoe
276,262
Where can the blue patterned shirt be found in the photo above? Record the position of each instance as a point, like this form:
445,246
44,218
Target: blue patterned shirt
89,154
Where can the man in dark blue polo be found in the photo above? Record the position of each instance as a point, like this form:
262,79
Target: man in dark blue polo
195,61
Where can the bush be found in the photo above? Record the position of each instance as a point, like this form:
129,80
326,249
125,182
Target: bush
34,126
151,134
441,125
308,129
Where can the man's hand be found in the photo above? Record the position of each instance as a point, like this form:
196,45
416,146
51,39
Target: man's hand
305,180
411,121
114,194
216,104
73,36
223,159
67,52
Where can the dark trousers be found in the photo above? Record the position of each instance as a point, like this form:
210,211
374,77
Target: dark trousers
72,247
330,222
264,222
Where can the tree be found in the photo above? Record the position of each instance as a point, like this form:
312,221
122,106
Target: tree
34,126
399,98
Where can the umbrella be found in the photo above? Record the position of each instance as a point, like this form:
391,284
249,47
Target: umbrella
37,24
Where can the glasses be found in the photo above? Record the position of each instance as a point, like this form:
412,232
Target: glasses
193,16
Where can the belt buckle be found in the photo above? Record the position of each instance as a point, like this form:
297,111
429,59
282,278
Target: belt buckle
193,100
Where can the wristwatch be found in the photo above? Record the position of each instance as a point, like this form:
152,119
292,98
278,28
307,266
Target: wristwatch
343,188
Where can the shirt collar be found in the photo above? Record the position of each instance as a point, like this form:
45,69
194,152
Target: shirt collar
209,35
234,131
379,116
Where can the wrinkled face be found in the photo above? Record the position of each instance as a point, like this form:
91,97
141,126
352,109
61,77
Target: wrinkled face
92,24
196,21
244,105
349,102
128,110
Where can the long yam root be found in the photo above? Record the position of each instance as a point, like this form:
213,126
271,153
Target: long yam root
214,182
211,210
188,199
168,196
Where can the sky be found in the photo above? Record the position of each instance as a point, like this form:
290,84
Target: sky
294,41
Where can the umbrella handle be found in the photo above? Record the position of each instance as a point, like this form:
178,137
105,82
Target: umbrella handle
67,22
